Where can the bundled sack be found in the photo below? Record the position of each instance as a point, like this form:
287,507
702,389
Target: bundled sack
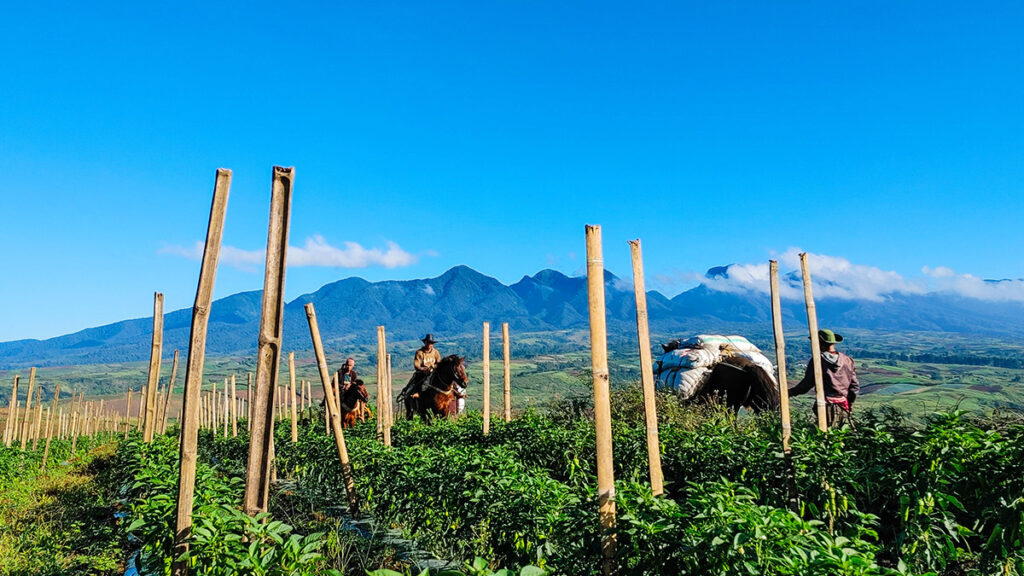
685,382
685,358
717,342
687,364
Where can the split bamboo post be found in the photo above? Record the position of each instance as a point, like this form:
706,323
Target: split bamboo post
194,370
154,367
234,409
268,360
780,353
51,415
142,406
227,405
332,410
28,407
602,400
291,382
127,412
487,378
38,419
506,349
646,369
812,326
170,392
387,401
380,382
12,414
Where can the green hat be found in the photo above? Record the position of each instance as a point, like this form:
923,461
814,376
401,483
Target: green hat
829,337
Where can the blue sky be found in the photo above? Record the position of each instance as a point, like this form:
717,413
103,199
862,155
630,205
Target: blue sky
887,135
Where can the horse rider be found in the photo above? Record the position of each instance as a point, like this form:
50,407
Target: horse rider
347,373
424,362
839,377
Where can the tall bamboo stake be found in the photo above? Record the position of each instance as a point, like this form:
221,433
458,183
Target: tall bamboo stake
50,417
142,407
812,325
234,409
194,370
154,367
127,412
11,414
268,361
170,392
487,378
646,369
28,407
38,419
227,406
602,400
291,383
381,375
506,349
387,401
248,401
780,353
332,410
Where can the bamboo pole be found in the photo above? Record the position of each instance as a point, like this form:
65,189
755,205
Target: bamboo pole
812,326
646,369
602,400
780,353
381,376
227,405
291,383
194,370
127,412
38,419
170,392
28,407
487,378
268,359
12,413
154,367
332,410
387,401
142,406
234,409
248,401
51,415
506,349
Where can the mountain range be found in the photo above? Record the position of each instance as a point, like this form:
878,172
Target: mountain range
456,303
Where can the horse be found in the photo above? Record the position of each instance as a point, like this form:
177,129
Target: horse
438,395
351,399
739,382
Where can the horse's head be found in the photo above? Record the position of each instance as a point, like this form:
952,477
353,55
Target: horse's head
358,389
453,370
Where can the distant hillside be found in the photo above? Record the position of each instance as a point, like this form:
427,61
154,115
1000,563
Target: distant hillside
458,301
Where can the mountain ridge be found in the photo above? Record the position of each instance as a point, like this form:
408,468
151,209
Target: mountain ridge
456,302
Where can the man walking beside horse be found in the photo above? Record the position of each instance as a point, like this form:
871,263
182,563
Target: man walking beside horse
839,377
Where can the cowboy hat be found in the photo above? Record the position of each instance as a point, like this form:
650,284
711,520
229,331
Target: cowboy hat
428,339
829,337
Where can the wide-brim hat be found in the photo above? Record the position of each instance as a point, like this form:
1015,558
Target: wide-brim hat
428,339
829,337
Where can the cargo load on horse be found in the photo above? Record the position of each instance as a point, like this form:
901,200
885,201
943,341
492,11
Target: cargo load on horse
710,365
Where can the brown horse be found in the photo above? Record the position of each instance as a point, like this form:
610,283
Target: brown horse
351,399
739,382
438,395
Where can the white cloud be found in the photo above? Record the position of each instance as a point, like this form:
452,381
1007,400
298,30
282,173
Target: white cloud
428,290
315,252
838,278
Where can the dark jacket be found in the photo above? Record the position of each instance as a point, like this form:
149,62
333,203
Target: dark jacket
839,379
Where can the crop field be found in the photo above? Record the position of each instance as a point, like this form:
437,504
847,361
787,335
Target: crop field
944,497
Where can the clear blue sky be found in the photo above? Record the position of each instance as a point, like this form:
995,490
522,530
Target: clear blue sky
890,134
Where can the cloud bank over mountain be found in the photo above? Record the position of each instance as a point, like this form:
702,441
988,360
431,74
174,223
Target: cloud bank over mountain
837,278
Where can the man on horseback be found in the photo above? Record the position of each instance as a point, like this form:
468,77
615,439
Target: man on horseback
838,376
347,373
426,359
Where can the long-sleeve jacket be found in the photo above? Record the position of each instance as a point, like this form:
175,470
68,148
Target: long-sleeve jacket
425,361
839,379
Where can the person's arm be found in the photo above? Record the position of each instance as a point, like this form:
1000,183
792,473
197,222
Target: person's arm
417,362
806,383
854,390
